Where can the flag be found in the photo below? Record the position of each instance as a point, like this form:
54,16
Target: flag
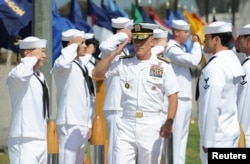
180,15
136,15
111,14
99,19
114,7
198,18
169,17
15,15
76,17
144,15
16,29
158,20
59,24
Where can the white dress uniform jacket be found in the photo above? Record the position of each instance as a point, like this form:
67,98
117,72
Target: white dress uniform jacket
144,83
113,89
27,103
218,119
182,61
243,101
74,103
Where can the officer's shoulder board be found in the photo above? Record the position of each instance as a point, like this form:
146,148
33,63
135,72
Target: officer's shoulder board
163,59
126,57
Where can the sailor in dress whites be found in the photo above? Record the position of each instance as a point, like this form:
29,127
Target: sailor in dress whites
27,140
112,108
182,62
75,98
146,80
244,86
218,84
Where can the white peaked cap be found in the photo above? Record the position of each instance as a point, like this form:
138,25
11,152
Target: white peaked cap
180,25
159,33
244,30
32,42
121,22
71,33
88,35
218,27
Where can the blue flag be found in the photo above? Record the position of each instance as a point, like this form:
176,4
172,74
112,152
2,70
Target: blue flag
145,16
169,17
114,7
111,14
99,16
99,19
15,15
59,24
76,17
15,22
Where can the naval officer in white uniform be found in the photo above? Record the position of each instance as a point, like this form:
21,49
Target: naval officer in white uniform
146,80
244,86
218,84
182,62
112,108
27,140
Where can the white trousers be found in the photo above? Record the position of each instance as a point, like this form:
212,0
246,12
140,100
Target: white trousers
138,140
219,144
73,141
247,136
111,119
180,130
23,150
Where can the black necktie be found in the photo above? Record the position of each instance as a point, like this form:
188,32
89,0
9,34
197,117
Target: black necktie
88,79
45,97
197,93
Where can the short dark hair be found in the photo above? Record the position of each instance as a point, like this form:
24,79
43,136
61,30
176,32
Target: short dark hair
225,38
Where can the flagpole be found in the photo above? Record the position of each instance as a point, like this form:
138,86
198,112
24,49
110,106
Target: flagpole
233,11
206,10
176,6
42,28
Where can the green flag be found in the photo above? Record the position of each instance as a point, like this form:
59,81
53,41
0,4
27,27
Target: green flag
136,15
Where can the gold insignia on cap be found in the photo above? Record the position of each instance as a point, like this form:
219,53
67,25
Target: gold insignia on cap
141,35
137,27
126,85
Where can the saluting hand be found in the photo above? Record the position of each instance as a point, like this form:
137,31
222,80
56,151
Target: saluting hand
78,40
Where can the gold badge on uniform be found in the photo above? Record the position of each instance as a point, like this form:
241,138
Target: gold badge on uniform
126,85
153,88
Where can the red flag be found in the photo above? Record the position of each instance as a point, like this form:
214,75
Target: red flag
157,19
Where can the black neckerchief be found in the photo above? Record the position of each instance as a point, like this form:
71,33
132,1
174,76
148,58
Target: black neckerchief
45,97
88,79
245,61
197,93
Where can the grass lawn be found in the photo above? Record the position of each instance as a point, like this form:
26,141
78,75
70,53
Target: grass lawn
192,147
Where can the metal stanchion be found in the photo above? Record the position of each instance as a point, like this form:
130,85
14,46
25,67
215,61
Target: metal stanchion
52,143
99,138
168,142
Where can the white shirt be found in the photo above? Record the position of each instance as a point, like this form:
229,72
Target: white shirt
112,84
182,62
74,103
26,96
243,97
145,83
217,102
